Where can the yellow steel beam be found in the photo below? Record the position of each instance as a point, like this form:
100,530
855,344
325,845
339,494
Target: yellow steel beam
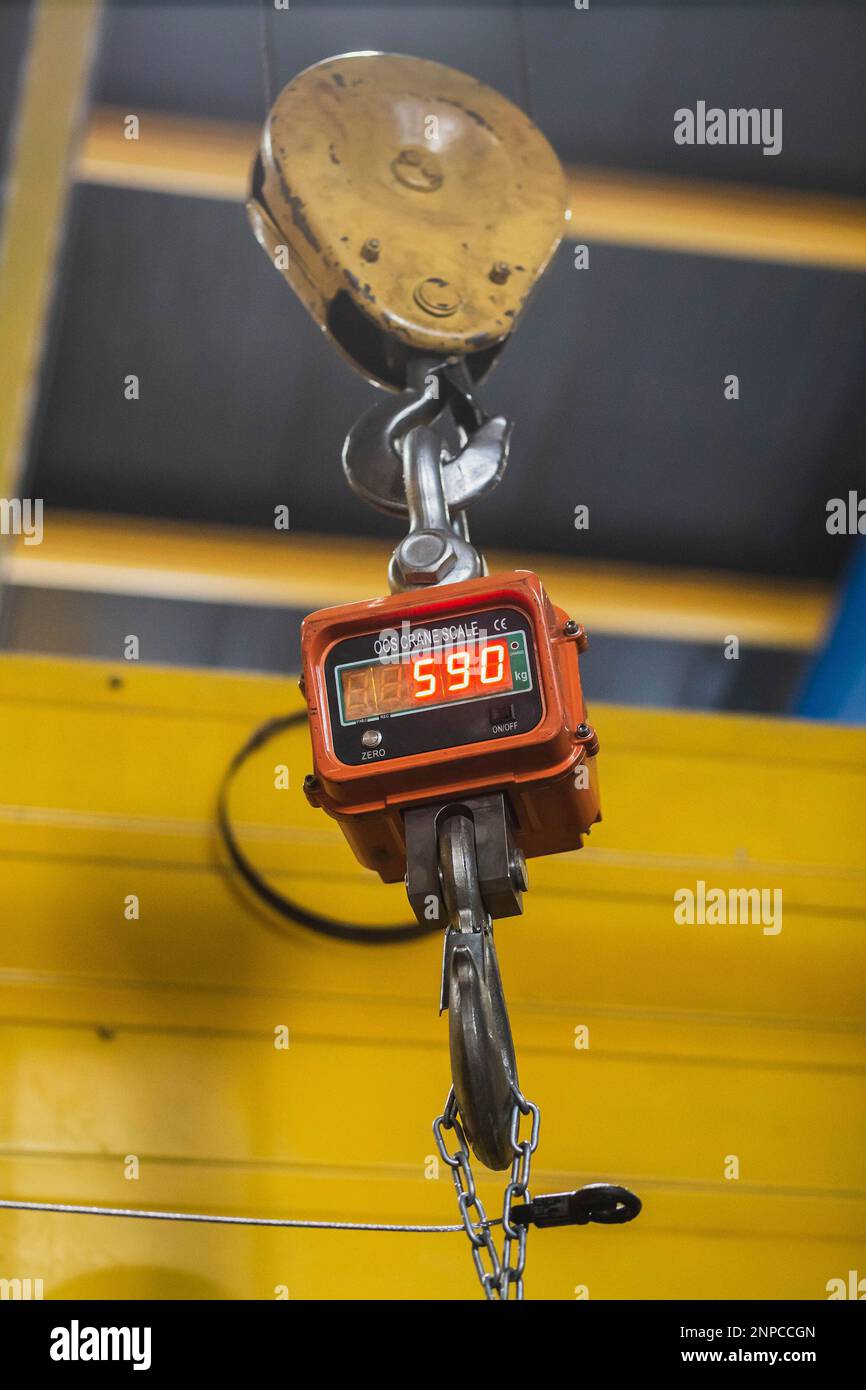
698,217
172,154
152,1036
58,67
178,154
130,555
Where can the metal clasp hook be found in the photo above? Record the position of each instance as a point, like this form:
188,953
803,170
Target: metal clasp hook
394,460
483,1064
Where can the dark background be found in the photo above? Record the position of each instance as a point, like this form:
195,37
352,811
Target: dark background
615,378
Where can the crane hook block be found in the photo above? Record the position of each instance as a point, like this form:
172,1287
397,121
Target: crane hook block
411,208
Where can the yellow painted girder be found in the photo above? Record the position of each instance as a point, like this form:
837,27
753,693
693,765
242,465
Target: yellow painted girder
705,218
154,1037
172,154
162,559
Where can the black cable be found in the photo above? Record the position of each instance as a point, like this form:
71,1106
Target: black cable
277,901
523,60
267,55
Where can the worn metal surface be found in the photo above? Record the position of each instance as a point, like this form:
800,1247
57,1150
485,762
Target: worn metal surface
418,206
155,1037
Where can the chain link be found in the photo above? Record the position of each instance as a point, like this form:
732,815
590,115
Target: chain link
500,1278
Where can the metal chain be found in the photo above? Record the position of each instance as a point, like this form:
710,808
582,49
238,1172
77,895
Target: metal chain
499,1276
512,1274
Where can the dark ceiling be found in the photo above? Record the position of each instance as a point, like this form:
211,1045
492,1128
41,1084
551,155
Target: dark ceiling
616,376
615,381
602,84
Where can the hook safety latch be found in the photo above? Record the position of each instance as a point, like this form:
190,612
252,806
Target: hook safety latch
598,1201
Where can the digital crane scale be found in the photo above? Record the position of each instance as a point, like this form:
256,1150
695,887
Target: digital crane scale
451,692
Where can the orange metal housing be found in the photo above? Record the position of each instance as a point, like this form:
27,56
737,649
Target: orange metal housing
547,773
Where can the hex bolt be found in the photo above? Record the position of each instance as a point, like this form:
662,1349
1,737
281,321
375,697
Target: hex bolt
425,557
571,627
371,248
583,731
499,272
422,549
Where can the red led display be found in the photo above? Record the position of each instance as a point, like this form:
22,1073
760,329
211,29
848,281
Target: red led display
458,673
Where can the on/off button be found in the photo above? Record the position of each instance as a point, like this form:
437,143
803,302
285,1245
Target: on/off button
502,714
